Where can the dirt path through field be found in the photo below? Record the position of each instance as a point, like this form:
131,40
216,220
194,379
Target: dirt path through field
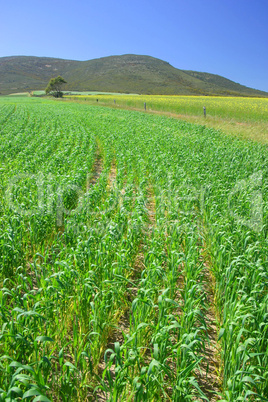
137,266
97,169
132,286
208,376
112,175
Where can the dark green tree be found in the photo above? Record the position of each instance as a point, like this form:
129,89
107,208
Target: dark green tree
54,87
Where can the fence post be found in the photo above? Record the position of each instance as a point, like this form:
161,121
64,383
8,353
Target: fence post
144,105
205,112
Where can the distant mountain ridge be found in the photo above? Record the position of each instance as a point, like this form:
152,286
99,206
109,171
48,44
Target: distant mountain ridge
126,74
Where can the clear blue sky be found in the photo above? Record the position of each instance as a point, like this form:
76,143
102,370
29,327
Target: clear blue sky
225,37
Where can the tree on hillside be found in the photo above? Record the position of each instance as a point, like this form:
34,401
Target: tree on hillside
54,87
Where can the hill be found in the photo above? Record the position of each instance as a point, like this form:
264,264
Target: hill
127,73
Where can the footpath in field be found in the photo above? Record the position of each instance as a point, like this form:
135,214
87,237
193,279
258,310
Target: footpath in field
97,169
123,330
209,375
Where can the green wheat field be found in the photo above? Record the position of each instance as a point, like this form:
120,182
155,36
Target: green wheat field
133,251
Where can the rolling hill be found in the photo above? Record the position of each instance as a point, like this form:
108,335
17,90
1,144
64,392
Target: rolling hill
127,74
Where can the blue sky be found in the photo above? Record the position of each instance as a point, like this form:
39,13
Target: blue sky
225,37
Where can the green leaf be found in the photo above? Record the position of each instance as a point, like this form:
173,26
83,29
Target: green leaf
17,390
31,392
43,339
142,325
195,384
15,364
247,378
156,351
154,363
70,365
41,398
221,333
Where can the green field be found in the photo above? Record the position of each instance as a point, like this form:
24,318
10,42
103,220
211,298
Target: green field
133,257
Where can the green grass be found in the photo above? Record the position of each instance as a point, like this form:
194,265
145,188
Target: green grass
99,298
